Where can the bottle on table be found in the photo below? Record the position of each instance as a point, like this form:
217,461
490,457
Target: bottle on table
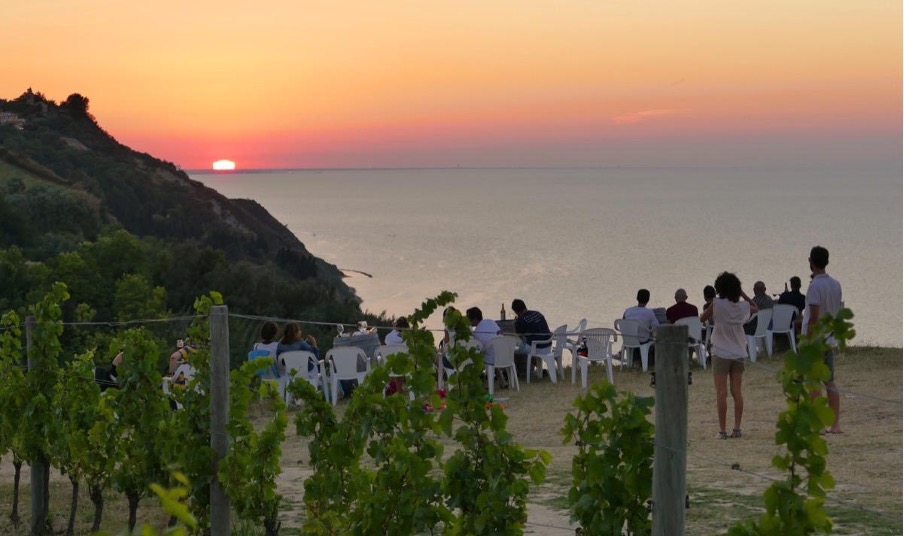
502,312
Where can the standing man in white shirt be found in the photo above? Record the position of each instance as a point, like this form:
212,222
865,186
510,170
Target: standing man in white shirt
824,298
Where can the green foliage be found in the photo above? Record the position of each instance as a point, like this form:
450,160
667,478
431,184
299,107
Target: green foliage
85,451
612,473
142,419
248,472
37,419
795,505
135,299
403,486
12,385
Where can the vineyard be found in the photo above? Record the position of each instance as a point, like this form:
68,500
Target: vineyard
377,464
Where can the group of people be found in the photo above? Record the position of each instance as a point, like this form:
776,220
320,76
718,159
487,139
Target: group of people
529,324
730,313
729,310
291,340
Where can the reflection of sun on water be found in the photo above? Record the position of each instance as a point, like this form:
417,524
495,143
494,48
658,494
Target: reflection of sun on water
224,165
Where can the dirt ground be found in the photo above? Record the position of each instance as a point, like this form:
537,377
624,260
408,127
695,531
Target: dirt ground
725,479
866,461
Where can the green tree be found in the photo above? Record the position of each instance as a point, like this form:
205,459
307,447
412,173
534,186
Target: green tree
38,420
135,299
85,452
796,504
12,399
612,472
143,416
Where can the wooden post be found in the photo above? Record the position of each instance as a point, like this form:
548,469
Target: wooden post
670,456
38,468
220,510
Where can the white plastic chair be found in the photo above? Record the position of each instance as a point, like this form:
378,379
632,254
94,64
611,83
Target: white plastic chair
345,363
599,349
694,333
297,364
504,347
782,317
573,338
386,350
551,355
444,371
632,333
763,316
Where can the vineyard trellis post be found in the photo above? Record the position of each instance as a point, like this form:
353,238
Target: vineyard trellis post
39,470
670,456
220,511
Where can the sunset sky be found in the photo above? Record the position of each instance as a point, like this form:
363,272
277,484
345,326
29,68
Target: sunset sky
295,83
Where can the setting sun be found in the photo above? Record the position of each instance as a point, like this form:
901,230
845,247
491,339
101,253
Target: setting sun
224,165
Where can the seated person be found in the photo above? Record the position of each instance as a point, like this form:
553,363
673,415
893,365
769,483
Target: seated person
292,341
648,322
484,331
681,309
794,296
643,314
762,301
183,352
531,325
108,377
268,340
395,336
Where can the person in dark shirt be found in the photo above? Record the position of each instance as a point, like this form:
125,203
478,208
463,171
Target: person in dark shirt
681,309
794,296
531,325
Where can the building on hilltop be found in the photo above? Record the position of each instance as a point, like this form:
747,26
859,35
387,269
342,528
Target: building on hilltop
9,118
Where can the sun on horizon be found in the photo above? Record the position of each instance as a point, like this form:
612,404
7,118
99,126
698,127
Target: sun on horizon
223,165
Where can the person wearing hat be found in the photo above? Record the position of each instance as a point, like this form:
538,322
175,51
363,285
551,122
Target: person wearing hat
681,309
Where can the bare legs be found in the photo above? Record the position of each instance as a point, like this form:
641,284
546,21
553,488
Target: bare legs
834,403
736,378
721,381
722,389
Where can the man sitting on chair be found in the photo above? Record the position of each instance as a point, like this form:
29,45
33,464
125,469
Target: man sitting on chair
530,325
647,319
681,309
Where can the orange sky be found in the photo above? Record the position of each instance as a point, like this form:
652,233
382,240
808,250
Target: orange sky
585,82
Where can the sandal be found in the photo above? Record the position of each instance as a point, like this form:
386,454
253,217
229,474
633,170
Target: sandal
735,434
721,435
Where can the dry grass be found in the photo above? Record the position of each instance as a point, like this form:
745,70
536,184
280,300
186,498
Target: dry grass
866,460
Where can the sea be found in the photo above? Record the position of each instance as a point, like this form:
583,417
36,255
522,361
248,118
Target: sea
579,243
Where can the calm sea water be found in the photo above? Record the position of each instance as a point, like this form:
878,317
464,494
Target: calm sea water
576,243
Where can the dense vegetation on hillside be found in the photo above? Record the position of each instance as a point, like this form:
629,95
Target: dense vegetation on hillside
133,236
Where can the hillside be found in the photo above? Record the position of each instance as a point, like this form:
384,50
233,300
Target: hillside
65,183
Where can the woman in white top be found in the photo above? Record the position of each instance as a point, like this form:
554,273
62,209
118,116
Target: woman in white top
729,346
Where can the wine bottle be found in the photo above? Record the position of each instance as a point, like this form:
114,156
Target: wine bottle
502,312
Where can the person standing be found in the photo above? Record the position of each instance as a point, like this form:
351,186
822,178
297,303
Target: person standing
729,347
824,298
